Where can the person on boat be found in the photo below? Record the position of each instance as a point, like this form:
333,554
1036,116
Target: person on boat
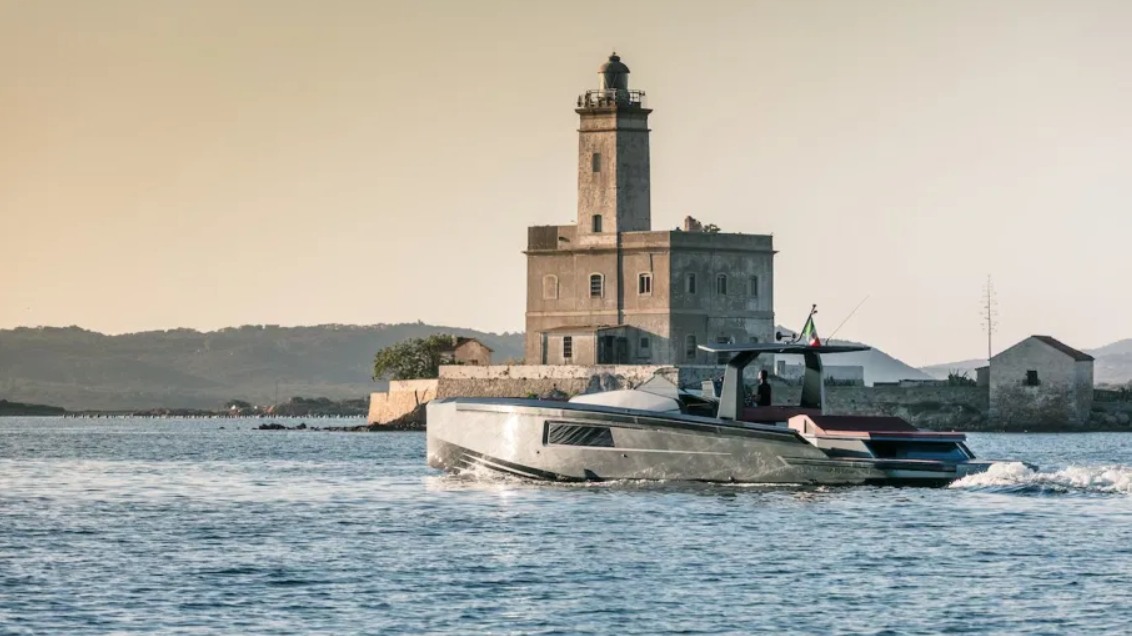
762,391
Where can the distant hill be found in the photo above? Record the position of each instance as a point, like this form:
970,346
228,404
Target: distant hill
261,364
878,365
1113,364
183,368
941,371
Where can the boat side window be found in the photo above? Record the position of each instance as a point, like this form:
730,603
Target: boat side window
567,434
886,449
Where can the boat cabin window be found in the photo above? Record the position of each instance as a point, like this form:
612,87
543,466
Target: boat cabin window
900,449
564,434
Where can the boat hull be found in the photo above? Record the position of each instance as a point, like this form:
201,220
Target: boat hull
563,442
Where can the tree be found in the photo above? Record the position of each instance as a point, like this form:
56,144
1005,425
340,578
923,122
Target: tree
412,359
959,378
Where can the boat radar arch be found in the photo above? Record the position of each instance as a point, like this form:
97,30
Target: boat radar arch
813,386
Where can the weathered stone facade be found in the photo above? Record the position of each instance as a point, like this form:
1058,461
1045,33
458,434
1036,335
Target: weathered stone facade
1041,383
608,289
469,351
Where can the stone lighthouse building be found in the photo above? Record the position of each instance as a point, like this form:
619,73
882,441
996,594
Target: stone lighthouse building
610,290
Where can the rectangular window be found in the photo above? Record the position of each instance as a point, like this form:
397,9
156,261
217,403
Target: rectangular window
753,286
1032,378
597,162
722,358
644,284
597,286
690,347
721,284
550,287
566,434
690,285
645,343
567,347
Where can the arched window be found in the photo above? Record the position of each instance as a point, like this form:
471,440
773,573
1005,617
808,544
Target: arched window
690,283
690,347
644,284
597,285
550,287
721,284
596,224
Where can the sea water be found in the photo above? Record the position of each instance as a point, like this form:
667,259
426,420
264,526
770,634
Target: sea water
134,526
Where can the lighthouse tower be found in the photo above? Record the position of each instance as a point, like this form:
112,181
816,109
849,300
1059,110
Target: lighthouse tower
613,155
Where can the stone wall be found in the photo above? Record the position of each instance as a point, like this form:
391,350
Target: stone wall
937,408
541,380
402,398
927,407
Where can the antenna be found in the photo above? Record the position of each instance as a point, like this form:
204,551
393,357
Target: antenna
990,314
830,338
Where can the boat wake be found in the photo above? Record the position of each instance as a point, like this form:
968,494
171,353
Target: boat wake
1015,477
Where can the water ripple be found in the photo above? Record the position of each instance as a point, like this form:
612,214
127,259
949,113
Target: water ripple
167,527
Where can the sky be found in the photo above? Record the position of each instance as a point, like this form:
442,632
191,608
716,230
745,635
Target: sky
213,163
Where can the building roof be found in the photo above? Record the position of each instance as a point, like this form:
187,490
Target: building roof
1079,356
461,341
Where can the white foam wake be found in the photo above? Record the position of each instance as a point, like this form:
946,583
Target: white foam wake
1016,477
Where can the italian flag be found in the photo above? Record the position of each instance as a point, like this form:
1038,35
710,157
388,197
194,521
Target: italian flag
810,333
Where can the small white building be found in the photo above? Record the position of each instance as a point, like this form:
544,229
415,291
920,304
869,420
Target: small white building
1041,382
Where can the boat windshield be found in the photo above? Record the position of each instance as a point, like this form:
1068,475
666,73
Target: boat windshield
691,403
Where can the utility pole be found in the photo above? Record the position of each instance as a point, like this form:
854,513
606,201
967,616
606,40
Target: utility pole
990,314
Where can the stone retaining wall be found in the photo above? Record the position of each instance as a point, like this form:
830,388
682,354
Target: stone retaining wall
402,398
927,407
937,408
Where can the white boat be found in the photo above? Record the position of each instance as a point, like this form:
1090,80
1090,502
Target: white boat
659,432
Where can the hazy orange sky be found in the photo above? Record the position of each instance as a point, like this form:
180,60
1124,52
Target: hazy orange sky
212,163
